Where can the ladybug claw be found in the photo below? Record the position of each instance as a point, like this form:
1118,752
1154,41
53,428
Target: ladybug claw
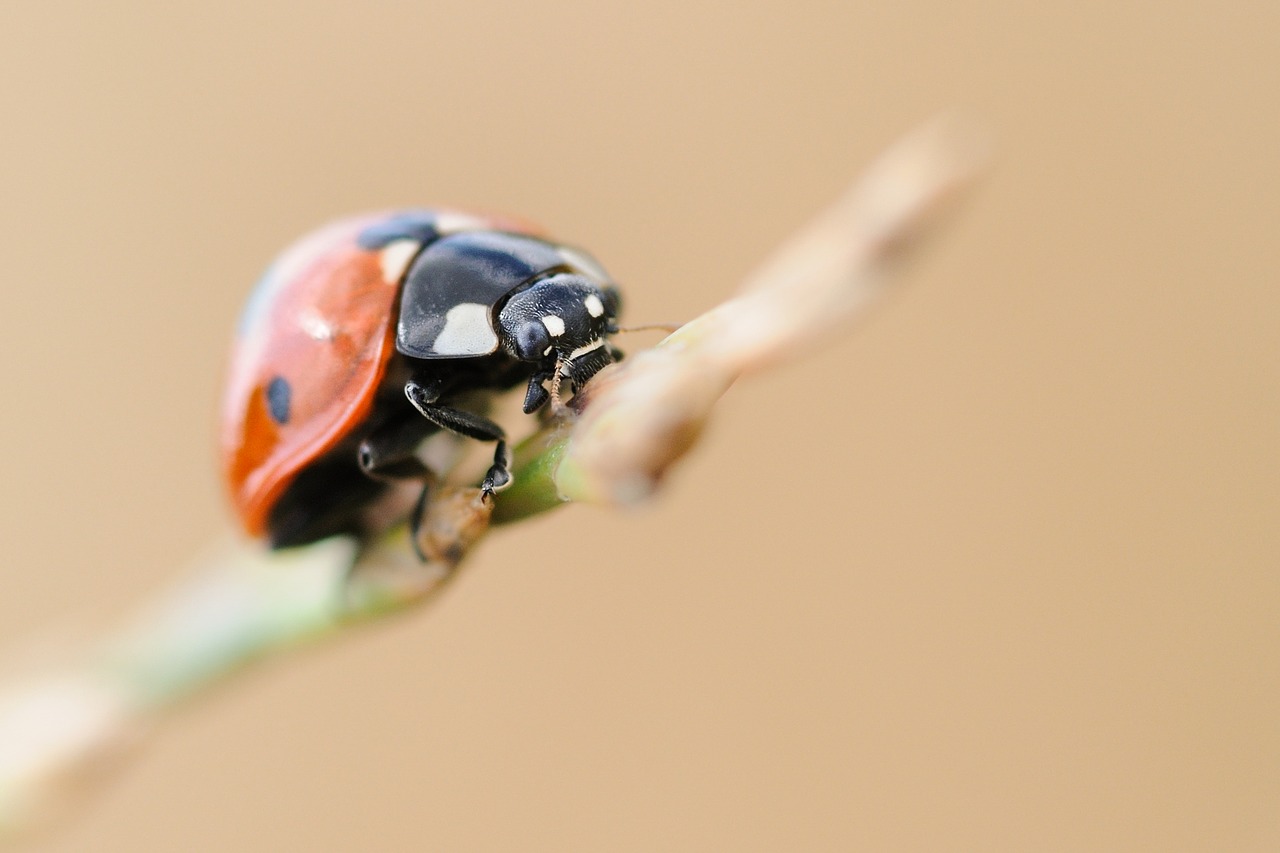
499,474
495,481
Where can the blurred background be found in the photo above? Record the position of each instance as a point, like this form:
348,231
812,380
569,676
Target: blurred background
996,572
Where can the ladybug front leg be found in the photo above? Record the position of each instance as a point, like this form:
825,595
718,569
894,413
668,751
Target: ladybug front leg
423,396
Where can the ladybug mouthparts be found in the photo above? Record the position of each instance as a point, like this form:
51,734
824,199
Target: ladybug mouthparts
585,362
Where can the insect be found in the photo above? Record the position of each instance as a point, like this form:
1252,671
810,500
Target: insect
370,335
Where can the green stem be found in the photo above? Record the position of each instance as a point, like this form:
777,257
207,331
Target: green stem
533,489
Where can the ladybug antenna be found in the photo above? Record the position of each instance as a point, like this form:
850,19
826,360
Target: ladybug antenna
648,327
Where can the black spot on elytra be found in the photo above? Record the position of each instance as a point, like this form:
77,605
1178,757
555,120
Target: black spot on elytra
278,395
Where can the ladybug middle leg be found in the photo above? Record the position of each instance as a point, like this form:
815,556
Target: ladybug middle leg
389,453
424,397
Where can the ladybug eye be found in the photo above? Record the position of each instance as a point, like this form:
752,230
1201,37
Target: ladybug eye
532,341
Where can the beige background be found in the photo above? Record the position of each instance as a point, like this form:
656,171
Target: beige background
997,572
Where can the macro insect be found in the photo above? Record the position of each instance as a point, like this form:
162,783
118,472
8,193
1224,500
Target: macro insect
370,335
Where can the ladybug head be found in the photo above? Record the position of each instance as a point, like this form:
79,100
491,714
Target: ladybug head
561,324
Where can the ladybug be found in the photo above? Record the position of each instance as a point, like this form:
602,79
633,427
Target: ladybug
370,335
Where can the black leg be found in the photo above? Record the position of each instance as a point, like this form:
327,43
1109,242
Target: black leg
424,396
415,520
447,417
499,474
389,452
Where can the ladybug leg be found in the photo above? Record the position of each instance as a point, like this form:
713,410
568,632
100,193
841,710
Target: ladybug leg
499,474
424,396
389,453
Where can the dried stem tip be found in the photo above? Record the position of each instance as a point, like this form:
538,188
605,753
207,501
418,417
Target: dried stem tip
641,416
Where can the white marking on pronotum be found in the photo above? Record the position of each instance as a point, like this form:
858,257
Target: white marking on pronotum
555,326
594,306
316,327
394,259
450,222
466,331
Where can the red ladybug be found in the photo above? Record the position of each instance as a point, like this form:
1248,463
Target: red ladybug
369,335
